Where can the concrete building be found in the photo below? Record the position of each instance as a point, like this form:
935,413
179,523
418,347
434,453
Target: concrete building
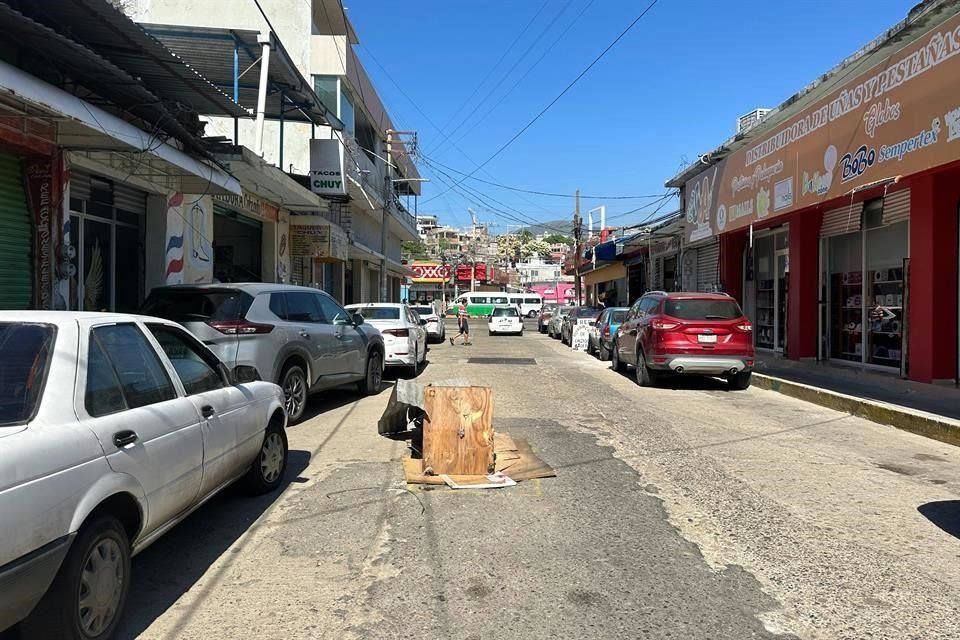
360,164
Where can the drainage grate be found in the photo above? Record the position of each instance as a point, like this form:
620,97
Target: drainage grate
501,361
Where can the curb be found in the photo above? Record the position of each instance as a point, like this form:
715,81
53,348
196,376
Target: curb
921,423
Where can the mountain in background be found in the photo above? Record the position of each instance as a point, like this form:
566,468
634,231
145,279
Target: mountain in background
564,226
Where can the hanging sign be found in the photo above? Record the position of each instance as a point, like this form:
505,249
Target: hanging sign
315,238
326,168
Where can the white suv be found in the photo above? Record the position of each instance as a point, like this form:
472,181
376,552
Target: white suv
113,428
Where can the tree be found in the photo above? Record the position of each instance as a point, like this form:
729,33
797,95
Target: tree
414,250
538,248
558,238
507,246
525,236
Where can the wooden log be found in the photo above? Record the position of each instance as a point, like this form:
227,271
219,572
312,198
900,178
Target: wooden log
458,430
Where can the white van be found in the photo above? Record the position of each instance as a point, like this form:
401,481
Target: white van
530,303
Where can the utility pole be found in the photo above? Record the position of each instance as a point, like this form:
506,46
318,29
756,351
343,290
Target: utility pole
577,230
387,203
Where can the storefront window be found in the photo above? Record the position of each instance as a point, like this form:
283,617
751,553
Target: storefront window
846,285
763,250
886,250
866,292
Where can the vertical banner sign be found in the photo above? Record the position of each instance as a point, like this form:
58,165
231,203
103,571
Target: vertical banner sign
326,168
40,189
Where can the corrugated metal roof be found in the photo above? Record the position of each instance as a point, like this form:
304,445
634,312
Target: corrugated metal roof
210,51
106,30
93,72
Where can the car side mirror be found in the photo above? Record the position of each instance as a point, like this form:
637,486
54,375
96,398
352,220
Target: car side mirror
243,373
357,319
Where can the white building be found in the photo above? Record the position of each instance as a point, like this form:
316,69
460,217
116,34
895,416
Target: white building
317,39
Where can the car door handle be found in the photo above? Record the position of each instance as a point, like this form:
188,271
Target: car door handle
304,334
123,438
207,411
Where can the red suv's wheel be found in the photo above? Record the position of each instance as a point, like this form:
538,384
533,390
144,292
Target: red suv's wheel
646,377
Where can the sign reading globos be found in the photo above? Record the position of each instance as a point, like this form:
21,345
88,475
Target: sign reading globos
314,238
326,168
429,272
900,117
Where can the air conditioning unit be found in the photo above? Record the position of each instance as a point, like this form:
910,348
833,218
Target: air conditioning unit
750,120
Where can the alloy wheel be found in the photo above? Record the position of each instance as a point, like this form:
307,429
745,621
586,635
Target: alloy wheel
101,587
294,393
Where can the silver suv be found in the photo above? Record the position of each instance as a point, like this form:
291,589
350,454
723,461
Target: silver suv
298,337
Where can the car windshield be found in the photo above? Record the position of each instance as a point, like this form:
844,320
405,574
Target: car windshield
185,305
25,352
702,309
587,312
425,311
505,312
378,313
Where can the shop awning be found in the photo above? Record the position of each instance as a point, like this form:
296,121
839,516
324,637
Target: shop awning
399,269
111,140
267,181
610,272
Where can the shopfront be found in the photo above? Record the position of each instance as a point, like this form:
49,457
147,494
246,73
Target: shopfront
104,242
606,285
700,267
864,250
768,290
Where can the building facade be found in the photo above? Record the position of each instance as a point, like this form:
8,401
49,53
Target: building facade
835,218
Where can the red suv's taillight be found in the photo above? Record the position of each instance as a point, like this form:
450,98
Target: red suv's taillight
664,325
400,333
746,327
239,327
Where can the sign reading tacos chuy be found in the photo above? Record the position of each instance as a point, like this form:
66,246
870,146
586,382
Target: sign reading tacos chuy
899,117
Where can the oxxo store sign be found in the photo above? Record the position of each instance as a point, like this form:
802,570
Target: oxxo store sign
429,272
326,168
900,117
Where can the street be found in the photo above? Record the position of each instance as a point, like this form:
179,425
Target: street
685,511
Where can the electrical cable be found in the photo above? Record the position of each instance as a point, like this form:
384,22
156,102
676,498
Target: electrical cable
497,84
560,95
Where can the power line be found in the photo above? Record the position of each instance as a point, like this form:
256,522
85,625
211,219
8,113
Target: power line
527,72
560,95
542,193
496,85
494,67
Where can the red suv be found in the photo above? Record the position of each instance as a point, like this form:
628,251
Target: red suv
685,333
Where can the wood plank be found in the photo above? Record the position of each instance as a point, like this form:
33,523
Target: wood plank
458,430
413,473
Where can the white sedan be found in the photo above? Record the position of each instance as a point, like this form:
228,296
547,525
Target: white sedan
505,320
404,333
114,428
435,329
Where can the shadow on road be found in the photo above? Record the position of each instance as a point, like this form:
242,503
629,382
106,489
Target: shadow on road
684,383
334,399
174,564
945,514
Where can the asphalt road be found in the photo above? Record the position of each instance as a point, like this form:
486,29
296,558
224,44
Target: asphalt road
679,512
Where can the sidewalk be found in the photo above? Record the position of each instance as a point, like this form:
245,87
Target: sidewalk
925,409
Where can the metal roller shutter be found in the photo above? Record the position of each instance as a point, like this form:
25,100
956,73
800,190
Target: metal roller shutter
708,266
837,222
129,199
16,237
896,207
79,185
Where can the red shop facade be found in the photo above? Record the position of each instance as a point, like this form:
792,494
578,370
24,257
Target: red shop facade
837,217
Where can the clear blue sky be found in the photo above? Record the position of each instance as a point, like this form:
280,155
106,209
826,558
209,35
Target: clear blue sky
671,89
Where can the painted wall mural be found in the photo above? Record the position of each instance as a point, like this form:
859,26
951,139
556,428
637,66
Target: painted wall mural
189,249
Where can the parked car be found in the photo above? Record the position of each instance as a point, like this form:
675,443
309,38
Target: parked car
299,337
546,312
505,320
578,315
603,331
688,334
434,327
114,429
404,332
556,321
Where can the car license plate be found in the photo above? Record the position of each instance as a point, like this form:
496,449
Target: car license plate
707,338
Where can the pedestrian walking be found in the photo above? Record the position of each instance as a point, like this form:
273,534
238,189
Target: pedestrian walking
463,324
